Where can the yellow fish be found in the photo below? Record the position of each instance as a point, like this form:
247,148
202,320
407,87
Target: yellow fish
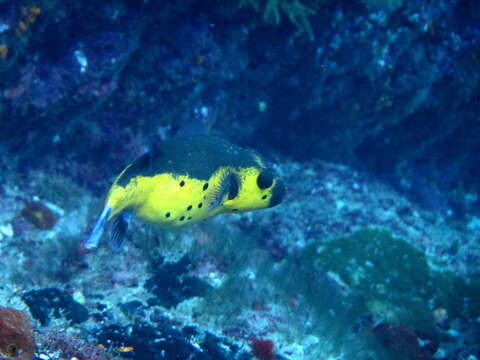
186,180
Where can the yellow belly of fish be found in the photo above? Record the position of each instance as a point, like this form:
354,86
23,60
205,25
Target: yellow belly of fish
168,204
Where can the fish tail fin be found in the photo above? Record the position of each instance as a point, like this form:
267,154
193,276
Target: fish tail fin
93,240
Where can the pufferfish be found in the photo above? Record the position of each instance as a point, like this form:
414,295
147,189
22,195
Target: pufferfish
184,181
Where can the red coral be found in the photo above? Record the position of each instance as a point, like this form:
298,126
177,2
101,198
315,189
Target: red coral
405,341
39,215
262,349
16,335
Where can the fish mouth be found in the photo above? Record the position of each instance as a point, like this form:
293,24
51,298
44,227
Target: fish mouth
278,193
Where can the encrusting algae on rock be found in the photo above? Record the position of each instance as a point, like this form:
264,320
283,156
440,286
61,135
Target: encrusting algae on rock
186,180
16,335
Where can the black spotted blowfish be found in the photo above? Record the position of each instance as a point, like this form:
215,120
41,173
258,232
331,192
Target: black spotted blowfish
186,180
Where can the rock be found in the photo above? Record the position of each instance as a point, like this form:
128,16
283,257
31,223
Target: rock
54,302
16,335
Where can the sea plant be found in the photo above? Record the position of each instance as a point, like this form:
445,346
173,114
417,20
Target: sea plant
298,12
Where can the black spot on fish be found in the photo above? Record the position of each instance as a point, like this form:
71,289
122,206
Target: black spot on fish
234,210
265,179
189,207
264,197
205,186
200,205
182,218
189,218
182,183
167,214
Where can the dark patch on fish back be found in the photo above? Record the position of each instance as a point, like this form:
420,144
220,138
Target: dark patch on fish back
141,165
198,157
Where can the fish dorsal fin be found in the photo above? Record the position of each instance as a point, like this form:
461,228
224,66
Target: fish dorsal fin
141,165
144,161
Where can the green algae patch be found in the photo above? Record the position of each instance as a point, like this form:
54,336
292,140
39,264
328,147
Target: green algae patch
393,278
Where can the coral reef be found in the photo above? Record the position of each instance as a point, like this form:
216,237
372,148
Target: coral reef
171,283
335,281
366,108
58,344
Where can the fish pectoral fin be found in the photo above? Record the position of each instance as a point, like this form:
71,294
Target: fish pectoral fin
119,229
94,239
228,188
233,187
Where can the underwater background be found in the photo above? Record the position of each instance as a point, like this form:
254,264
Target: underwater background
369,112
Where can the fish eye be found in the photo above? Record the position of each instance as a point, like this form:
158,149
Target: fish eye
265,179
